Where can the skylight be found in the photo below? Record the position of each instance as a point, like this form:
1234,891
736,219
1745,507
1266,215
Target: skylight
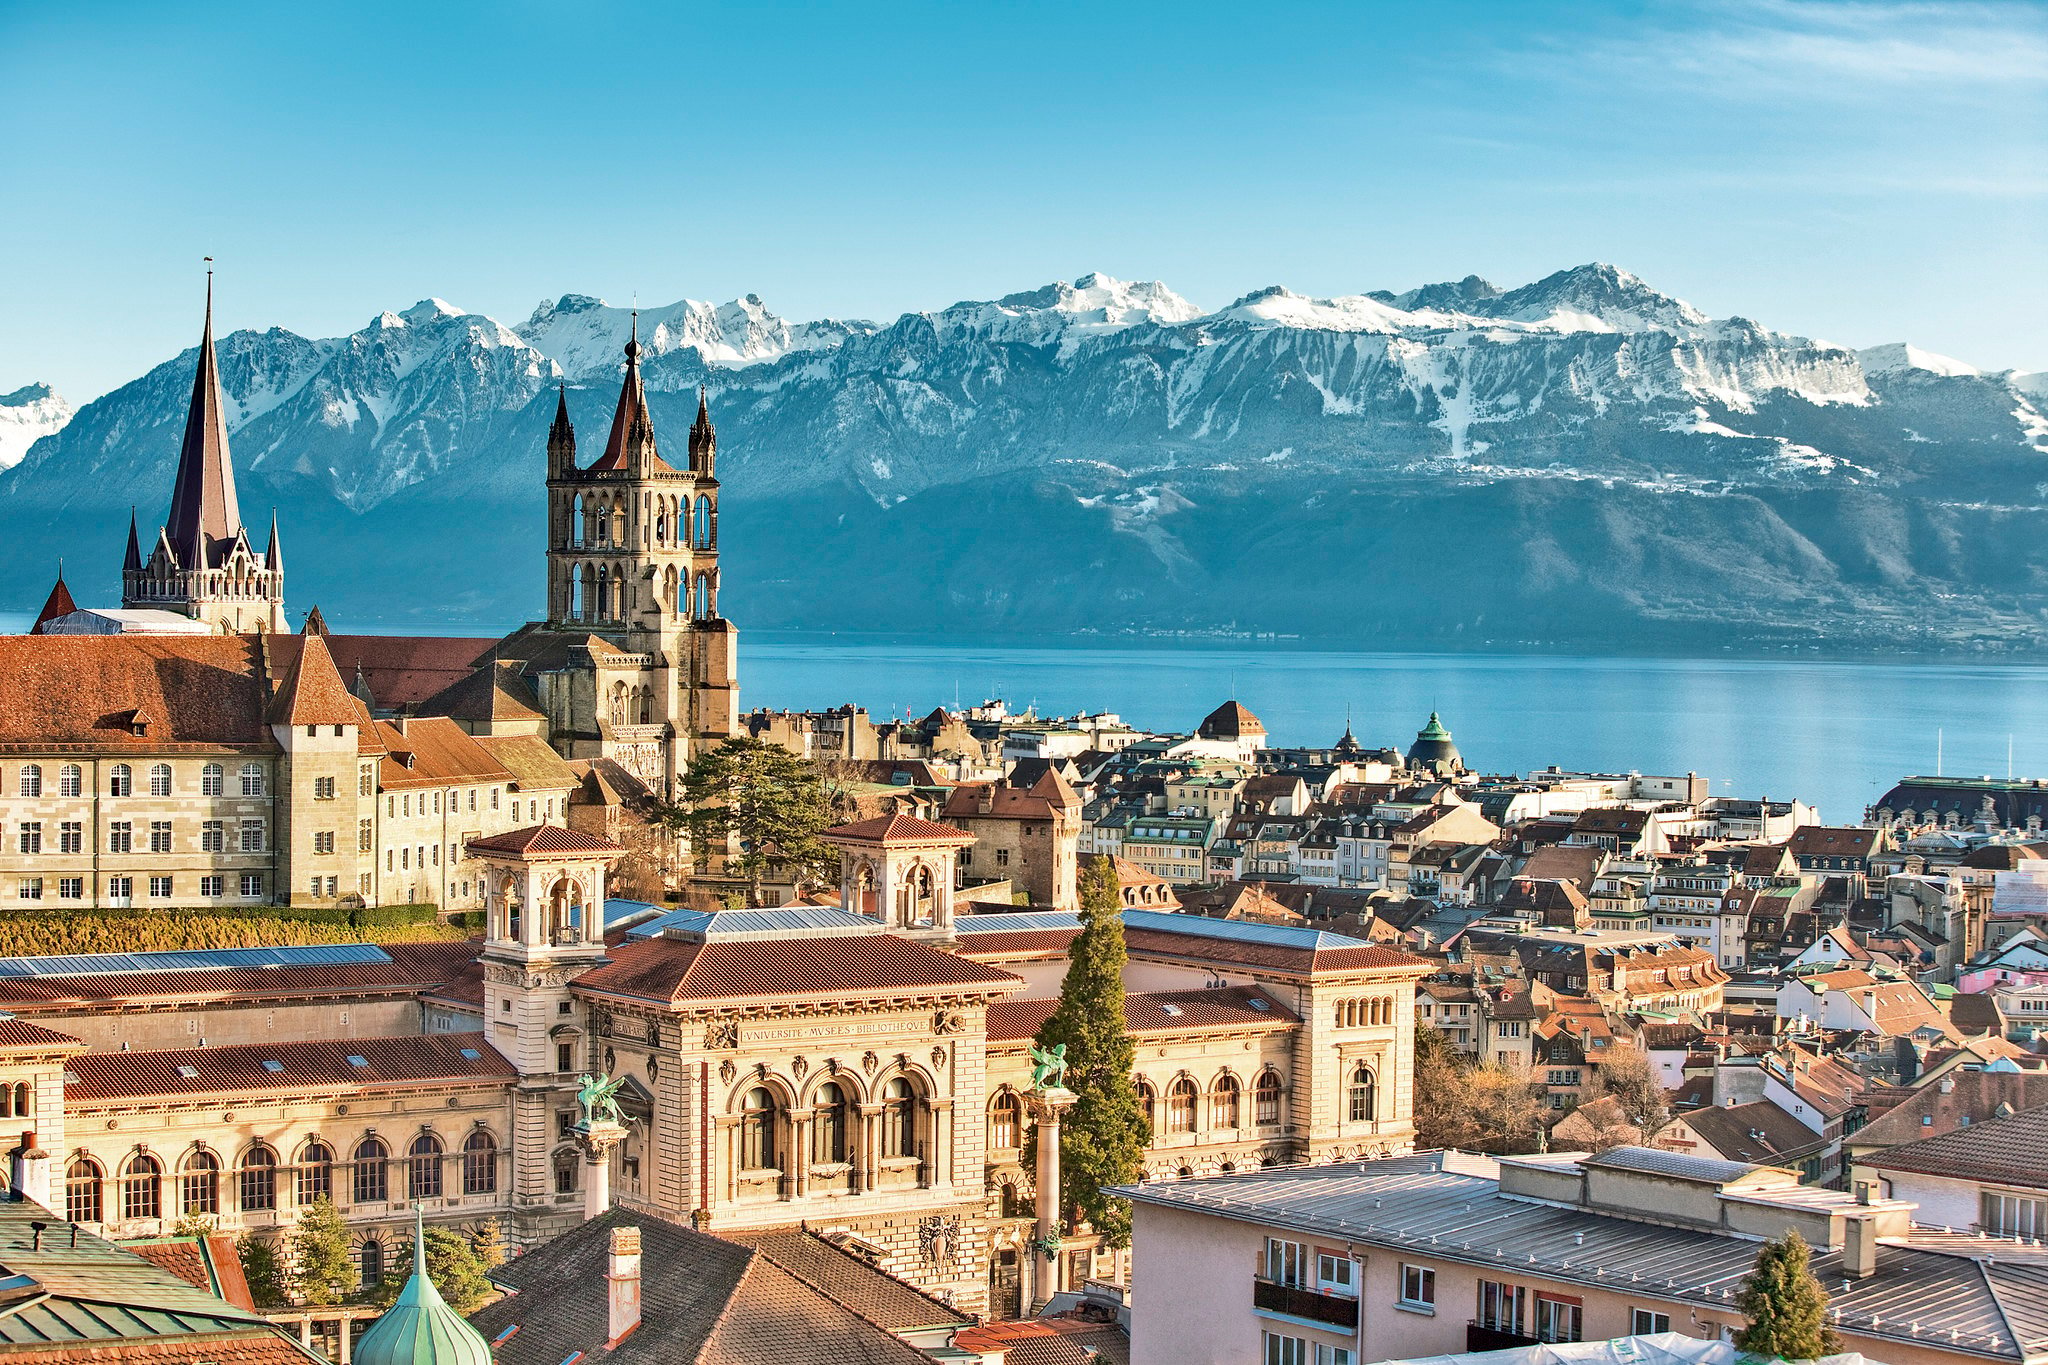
471,1053
190,1073
273,1065
357,1061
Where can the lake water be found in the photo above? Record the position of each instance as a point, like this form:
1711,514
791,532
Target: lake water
1835,734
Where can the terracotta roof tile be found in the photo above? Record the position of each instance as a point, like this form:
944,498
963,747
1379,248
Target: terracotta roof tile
545,839
2004,1151
321,1065
312,692
432,751
70,691
402,671
1159,1012
19,1035
899,828
843,1277
734,969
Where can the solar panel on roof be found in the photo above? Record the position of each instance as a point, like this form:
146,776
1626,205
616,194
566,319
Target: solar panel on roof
192,959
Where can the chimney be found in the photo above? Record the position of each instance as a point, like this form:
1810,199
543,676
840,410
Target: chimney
624,1280
29,1171
1859,1246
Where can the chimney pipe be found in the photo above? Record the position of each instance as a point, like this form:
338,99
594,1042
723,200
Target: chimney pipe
1859,1246
28,1171
624,1279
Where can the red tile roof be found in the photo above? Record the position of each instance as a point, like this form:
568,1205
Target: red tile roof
210,1263
739,969
1822,841
1229,1008
436,1058
432,751
400,670
312,692
78,691
58,603
412,967
545,839
19,1035
899,828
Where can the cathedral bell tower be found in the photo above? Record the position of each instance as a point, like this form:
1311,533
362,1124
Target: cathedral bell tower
203,564
633,562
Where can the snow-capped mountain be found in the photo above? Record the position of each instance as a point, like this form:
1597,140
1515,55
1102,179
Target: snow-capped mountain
1454,462
26,416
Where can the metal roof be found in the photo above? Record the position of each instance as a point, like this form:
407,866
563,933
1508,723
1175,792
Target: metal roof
782,921
192,959
1675,1164
1439,1204
1016,922
1165,921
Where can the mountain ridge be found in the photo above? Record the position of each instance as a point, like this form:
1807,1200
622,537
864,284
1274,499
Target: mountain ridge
1122,414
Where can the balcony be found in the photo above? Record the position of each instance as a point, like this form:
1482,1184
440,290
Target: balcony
1332,1310
1480,1338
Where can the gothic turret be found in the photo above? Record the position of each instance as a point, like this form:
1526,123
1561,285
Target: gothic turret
561,436
703,440
203,566
630,447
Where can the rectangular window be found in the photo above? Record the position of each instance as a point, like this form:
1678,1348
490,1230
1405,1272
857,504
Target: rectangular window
323,841
210,780
390,807
1332,1355
472,798
365,836
1286,1262
314,888
71,837
212,886
1559,1319
333,885
1500,1306
252,836
2012,1215
69,780
1334,1273
160,888
120,837
31,888
212,837
159,836
1418,1286
1003,860
1282,1350
252,885
71,888
565,1056
405,858
252,780
120,889
32,836
494,798
1643,1322
323,789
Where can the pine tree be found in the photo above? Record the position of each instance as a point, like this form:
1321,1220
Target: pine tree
1786,1307
453,1264
323,1273
762,798
264,1270
1103,1137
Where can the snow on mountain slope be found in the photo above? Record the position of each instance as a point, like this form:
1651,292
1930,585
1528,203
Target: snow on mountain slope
586,336
1897,355
26,416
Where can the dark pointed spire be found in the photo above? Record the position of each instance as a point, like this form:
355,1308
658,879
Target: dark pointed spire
361,690
632,428
562,433
273,553
58,603
316,624
203,505
703,440
133,562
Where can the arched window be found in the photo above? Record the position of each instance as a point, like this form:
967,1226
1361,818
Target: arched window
373,1172
14,1101
704,536
757,1130
259,1179
32,780
370,1262
828,1125
1266,1099
121,781
423,1171
142,1187
199,1186
1223,1102
703,607
1364,1095
159,779
1005,1120
84,1191
212,780
316,1172
1148,1102
70,780
252,779
565,1171
899,1119
1180,1105
480,1163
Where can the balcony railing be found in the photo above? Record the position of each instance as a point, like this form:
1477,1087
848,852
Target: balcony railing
1481,1338
1332,1309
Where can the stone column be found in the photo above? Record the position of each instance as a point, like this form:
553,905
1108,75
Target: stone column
1048,1276
939,1165
597,1141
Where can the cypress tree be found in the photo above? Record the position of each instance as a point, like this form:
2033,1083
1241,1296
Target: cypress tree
1786,1307
1103,1137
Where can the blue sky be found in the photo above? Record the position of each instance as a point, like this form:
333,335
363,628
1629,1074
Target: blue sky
1858,172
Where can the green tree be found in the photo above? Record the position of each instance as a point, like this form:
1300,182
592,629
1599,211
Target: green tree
192,1223
1786,1307
323,1273
760,800
453,1264
1103,1137
263,1268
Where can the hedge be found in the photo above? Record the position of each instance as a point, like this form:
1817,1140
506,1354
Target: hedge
36,933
